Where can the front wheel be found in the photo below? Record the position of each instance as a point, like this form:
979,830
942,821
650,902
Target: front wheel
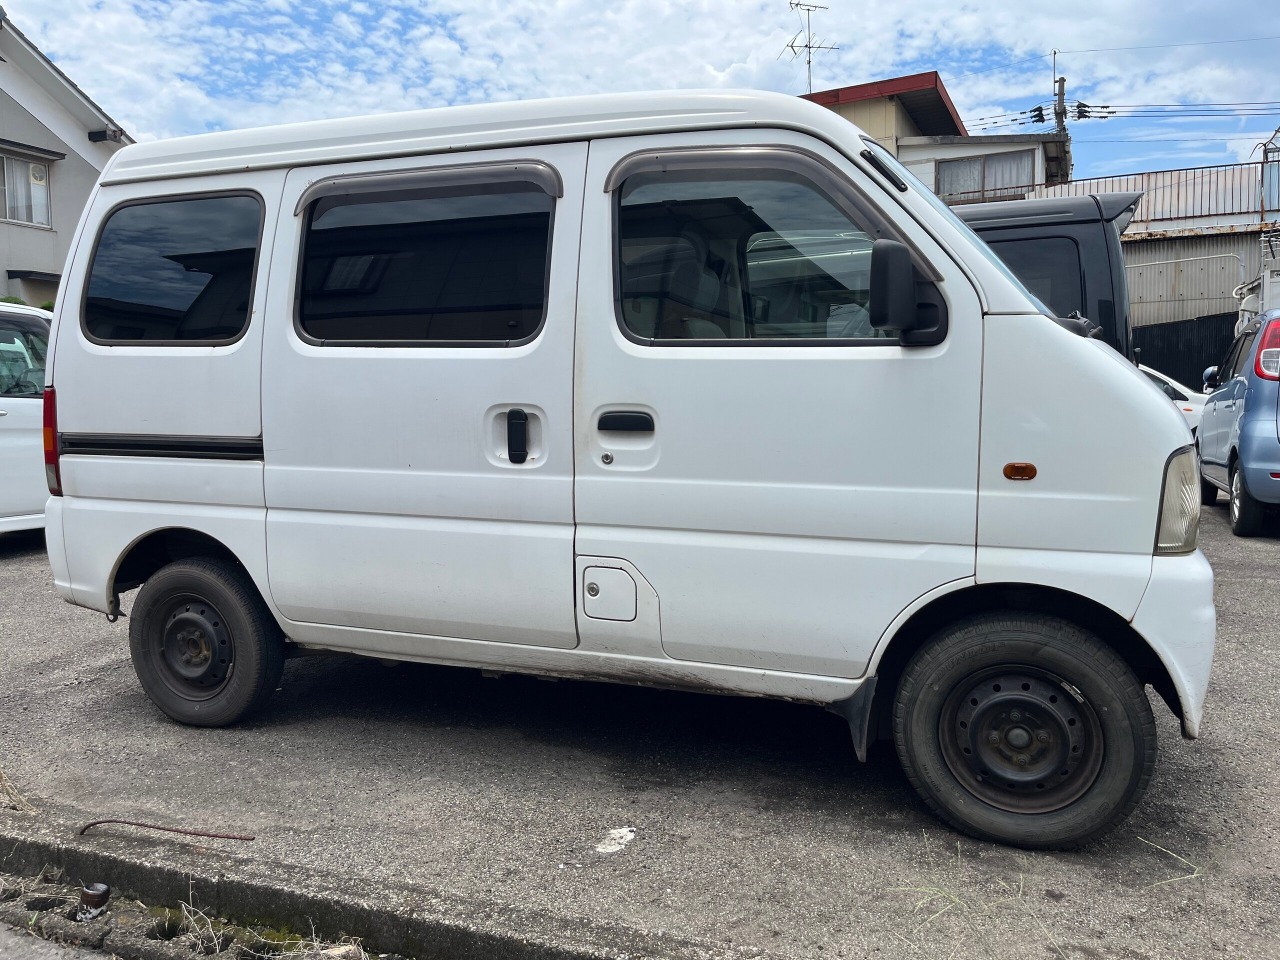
1024,729
205,648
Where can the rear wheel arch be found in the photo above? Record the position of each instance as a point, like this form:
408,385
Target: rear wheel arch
1104,623
154,550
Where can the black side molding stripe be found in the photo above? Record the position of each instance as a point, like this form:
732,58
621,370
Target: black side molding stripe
154,445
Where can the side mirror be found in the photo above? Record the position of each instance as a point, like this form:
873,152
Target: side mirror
895,304
1210,379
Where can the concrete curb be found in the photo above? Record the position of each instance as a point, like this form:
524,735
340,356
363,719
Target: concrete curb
416,922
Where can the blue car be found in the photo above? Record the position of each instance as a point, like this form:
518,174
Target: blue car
1239,431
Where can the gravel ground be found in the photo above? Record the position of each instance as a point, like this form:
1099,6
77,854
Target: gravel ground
753,823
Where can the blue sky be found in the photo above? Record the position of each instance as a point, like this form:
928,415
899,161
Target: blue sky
170,67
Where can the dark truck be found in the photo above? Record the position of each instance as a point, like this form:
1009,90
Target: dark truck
1067,252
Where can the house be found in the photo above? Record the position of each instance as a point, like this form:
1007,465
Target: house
915,119
54,141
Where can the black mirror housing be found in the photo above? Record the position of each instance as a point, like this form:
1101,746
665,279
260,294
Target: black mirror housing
901,302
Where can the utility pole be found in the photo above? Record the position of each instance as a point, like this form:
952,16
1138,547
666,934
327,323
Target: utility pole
811,43
1060,106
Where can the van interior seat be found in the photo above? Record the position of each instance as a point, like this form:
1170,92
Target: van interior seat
692,295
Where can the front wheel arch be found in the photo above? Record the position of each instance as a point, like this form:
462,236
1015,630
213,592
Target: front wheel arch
1088,614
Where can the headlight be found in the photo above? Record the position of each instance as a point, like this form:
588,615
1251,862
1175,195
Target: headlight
1179,504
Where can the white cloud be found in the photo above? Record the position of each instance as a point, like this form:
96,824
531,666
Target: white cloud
169,67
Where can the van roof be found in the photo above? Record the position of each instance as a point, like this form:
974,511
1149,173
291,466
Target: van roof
1085,208
448,129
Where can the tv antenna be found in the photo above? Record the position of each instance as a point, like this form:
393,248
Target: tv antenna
811,43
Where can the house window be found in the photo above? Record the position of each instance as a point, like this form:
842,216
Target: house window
25,191
995,176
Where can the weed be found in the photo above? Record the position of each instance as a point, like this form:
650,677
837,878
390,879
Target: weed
1195,870
11,799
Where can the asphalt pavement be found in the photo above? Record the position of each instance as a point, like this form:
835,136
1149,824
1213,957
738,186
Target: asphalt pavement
20,945
734,825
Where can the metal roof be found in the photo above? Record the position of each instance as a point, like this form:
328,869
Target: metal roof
922,95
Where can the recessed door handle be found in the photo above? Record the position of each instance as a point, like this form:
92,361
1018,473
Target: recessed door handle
626,421
4,413
517,435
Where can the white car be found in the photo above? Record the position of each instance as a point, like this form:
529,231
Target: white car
1190,403
24,341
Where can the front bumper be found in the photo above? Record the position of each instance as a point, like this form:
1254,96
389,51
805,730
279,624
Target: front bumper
1176,617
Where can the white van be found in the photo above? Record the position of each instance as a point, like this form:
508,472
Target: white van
693,390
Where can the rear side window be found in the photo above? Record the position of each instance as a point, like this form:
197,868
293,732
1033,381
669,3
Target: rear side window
463,265
174,272
1242,358
1050,268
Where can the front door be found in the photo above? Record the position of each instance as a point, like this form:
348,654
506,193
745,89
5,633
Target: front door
783,477
417,398
23,491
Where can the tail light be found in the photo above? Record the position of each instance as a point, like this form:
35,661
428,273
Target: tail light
52,473
1267,366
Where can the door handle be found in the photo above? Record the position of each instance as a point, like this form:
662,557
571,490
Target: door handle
517,435
626,421
4,413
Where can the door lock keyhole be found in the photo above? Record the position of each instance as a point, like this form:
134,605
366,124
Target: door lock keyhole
593,590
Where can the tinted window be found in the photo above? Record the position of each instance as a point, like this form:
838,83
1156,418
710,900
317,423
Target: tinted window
1233,353
459,264
1242,358
23,346
740,255
1050,268
174,271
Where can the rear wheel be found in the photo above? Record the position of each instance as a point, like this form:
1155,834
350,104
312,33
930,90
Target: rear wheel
206,649
1247,514
1024,729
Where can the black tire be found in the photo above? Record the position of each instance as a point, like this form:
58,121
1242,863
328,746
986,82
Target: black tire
206,649
1246,514
1076,741
1208,493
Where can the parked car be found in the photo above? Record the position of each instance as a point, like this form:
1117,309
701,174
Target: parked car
24,341
694,390
1190,403
1239,439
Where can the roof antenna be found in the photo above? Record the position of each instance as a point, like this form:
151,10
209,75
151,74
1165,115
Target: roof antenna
811,43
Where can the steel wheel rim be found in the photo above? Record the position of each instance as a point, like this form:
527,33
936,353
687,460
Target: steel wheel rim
1021,739
194,651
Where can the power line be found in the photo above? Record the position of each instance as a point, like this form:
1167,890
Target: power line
1150,46
1000,67
1165,46
1253,136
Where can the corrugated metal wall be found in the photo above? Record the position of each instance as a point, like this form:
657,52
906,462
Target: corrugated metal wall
1184,349
1162,292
